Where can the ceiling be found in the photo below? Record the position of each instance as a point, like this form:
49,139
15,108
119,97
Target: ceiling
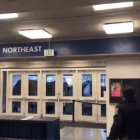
64,19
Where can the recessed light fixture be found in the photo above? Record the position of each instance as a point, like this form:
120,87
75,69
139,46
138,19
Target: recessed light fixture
116,28
112,6
35,34
8,15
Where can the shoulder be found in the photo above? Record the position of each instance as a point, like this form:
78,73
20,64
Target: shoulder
120,105
119,108
123,107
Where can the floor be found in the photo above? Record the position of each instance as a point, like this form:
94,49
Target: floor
82,133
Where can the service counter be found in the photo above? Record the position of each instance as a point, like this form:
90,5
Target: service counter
35,128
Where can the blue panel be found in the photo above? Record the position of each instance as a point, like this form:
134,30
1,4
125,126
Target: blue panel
98,46
123,45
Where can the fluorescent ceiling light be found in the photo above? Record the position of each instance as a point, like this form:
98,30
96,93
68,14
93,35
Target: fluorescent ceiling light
35,34
112,6
9,15
116,28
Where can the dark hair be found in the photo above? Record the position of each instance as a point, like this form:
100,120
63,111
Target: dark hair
129,93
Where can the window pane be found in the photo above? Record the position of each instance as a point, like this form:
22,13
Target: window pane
67,108
32,107
16,85
103,110
86,109
50,85
16,107
33,79
50,108
67,85
86,85
103,84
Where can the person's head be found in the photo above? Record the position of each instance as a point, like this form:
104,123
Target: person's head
128,93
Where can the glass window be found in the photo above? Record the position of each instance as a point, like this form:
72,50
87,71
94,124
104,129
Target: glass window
32,107
103,84
86,109
16,107
33,80
16,85
103,110
50,108
67,108
50,85
87,85
67,85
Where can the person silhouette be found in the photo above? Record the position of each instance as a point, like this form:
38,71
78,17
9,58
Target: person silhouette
126,122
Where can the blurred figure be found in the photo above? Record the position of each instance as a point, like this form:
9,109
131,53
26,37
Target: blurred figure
126,123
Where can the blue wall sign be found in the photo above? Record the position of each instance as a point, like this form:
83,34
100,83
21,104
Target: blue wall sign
22,50
122,45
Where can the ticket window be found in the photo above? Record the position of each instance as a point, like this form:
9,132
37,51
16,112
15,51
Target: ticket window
87,109
50,108
32,107
87,85
33,85
50,85
16,107
66,110
14,94
102,86
68,85
16,85
86,112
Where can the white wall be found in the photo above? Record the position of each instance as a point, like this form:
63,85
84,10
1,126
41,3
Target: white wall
120,68
52,64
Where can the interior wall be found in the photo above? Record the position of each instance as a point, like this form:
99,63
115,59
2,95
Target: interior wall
120,68
26,64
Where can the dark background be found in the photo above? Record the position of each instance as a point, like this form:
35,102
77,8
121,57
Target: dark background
135,83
